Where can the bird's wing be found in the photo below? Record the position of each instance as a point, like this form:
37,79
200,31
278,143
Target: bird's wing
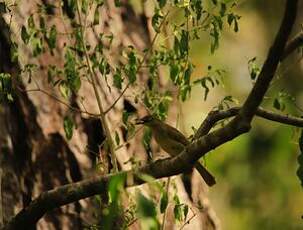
177,135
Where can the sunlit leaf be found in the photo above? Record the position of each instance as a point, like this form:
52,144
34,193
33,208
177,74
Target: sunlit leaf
96,16
51,40
24,35
68,125
161,3
145,207
163,201
118,79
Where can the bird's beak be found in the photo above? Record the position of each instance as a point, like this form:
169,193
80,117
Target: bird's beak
139,122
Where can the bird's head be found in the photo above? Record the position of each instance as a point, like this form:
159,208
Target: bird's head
147,120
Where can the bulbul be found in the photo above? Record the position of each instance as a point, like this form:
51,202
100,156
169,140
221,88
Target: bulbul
173,142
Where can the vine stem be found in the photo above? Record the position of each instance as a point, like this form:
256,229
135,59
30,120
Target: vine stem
93,78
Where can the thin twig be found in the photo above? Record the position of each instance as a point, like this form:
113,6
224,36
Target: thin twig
189,220
293,44
59,100
118,98
93,79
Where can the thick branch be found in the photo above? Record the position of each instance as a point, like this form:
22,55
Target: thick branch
163,168
63,195
269,68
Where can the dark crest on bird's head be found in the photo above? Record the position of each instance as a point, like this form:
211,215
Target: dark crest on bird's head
145,120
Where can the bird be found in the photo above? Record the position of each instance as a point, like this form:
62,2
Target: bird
173,142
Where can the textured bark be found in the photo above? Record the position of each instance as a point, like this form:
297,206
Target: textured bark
36,157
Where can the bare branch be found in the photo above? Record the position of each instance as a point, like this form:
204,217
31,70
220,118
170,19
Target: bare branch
214,116
59,100
292,45
118,98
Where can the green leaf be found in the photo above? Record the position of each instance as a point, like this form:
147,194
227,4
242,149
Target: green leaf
105,70
233,18
42,25
187,74
117,138
174,72
30,22
230,18
163,201
14,53
185,211
145,207
52,38
277,104
69,7
197,7
185,91
47,8
178,212
215,34
71,74
118,3
96,16
161,3
37,46
147,136
68,125
99,2
131,68
184,42
118,79
156,20
116,186
84,6
24,35
64,90
222,9
204,85
254,69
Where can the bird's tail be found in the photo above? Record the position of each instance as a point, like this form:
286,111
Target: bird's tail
207,177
